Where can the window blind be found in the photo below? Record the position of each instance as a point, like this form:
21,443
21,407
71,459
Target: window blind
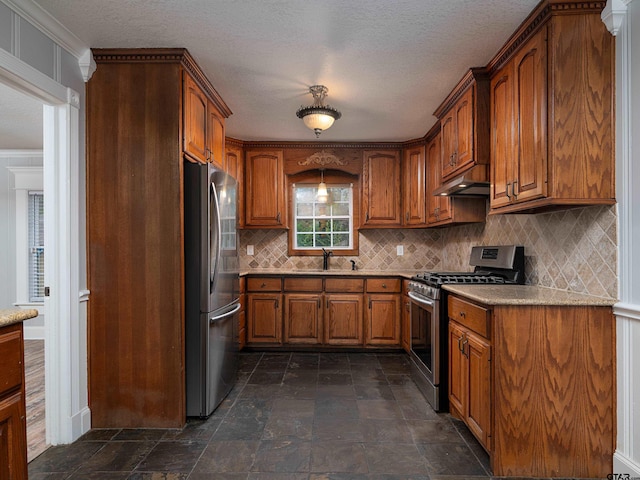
36,247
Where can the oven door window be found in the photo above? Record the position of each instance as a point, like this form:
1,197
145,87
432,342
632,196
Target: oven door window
422,338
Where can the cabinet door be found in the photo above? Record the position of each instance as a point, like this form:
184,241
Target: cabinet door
448,144
234,166
13,438
381,189
530,74
383,320
414,185
195,120
502,148
265,189
438,206
457,371
215,136
303,318
264,318
343,319
478,355
463,111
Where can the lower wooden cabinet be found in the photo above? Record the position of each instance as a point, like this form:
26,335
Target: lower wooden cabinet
303,318
324,311
343,319
470,380
383,320
13,424
264,316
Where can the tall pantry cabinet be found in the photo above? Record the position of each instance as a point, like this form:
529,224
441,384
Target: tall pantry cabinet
136,136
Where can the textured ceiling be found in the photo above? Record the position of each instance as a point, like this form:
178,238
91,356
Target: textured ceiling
388,64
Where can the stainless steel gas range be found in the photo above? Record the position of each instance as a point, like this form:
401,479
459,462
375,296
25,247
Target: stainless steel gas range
492,265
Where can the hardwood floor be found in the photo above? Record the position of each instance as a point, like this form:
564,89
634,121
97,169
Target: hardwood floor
34,383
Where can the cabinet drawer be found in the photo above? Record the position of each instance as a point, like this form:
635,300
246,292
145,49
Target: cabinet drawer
264,284
344,285
303,284
470,315
383,285
10,360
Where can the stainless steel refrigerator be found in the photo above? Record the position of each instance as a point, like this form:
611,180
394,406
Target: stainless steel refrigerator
211,287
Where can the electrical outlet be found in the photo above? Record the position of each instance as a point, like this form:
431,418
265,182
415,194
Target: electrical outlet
249,249
400,250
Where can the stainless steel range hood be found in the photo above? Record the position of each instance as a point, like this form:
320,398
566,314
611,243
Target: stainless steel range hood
472,183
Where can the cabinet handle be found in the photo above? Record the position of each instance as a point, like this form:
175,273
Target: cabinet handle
507,190
465,342
407,217
455,157
278,218
277,304
513,190
319,304
460,344
366,218
327,303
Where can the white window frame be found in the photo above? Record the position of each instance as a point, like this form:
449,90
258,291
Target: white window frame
27,179
351,231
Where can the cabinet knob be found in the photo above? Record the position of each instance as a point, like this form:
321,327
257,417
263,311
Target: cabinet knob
463,315
263,285
384,285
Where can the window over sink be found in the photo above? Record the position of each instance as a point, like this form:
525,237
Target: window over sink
323,222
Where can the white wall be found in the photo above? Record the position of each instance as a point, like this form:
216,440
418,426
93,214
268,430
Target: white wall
622,17
42,59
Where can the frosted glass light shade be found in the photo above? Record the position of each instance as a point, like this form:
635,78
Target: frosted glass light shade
318,121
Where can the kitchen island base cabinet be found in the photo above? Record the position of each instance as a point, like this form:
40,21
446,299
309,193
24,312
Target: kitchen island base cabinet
535,385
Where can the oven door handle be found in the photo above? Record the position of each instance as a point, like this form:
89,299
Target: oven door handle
424,301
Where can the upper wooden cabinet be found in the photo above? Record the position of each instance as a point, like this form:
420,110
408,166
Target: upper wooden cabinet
464,125
265,204
552,113
413,186
203,125
234,166
445,210
381,201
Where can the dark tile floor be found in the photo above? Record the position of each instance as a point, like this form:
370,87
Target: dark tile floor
342,416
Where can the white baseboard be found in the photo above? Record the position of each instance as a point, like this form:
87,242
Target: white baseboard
81,423
622,464
34,333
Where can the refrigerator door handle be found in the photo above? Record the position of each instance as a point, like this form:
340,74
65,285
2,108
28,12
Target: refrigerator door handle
217,318
214,249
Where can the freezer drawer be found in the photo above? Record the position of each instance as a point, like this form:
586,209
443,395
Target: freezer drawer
212,360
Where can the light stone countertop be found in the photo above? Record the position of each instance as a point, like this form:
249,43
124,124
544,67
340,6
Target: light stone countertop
527,295
330,273
9,316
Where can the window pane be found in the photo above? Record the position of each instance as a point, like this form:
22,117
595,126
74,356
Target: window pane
323,240
341,225
323,209
305,209
304,225
341,240
305,240
36,247
323,225
341,209
305,194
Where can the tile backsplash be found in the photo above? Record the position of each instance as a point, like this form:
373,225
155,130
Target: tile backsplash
574,250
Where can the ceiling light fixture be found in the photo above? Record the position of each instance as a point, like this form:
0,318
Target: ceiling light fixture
322,195
318,117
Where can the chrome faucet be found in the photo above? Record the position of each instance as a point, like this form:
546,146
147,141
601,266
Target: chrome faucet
325,258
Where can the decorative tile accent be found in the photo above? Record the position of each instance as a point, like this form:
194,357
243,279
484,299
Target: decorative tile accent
573,250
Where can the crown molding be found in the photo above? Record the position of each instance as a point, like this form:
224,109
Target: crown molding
613,14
